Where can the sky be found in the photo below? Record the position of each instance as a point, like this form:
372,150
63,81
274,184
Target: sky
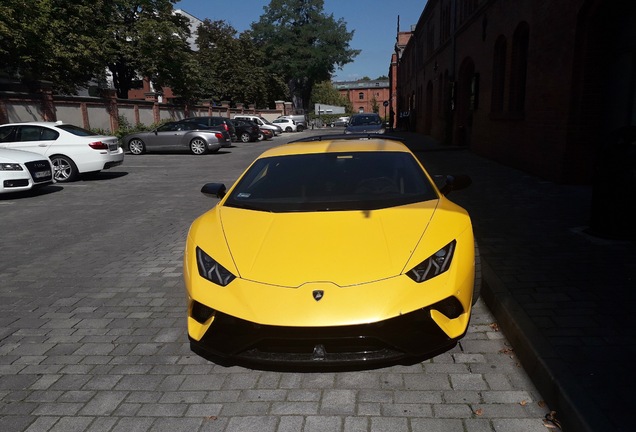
374,21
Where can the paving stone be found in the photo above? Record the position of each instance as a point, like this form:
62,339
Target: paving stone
338,402
252,424
290,424
435,425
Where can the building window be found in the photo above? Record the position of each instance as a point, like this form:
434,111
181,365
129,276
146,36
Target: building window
430,39
445,21
361,95
498,75
466,9
519,68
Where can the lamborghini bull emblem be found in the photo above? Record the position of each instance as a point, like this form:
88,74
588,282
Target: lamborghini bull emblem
318,294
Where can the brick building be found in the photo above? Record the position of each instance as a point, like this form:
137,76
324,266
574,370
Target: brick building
537,84
366,95
401,41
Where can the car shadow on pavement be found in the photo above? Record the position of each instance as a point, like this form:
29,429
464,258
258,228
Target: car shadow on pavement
44,190
103,175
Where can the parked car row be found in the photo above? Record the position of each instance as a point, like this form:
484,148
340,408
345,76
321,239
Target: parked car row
201,135
33,154
70,150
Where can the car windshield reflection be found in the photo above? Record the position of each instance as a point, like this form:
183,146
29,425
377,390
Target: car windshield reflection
332,182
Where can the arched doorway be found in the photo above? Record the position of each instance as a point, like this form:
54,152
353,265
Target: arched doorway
465,99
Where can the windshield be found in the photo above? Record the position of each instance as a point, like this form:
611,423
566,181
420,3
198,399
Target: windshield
332,181
76,130
361,120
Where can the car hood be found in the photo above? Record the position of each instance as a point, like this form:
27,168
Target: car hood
342,247
19,156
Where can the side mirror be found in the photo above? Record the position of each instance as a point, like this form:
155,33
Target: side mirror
455,182
214,190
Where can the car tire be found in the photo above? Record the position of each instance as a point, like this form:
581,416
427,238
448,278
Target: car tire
136,146
64,169
478,276
261,137
198,146
299,128
288,129
245,137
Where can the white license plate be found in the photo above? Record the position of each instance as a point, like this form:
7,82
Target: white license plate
40,174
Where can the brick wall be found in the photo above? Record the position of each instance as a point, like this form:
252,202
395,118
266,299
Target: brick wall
577,55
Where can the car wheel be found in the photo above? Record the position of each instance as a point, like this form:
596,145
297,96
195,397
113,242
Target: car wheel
136,146
288,129
261,137
245,137
64,169
198,146
478,277
299,128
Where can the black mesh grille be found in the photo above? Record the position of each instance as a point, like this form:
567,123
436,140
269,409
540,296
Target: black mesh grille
40,171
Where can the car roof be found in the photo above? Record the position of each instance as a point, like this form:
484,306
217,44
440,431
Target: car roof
36,123
337,145
365,114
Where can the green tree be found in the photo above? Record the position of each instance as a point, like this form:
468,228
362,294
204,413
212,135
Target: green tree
257,86
232,67
55,40
374,105
302,44
145,39
216,42
325,93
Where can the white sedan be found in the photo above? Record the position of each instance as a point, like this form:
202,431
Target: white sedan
22,170
288,125
71,149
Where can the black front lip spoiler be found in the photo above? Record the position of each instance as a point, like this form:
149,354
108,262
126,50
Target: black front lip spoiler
406,339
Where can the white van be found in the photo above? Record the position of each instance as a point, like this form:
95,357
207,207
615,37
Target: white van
261,122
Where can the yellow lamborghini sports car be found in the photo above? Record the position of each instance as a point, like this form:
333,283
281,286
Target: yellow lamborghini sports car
332,251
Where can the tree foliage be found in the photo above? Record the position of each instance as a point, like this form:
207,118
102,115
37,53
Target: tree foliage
302,44
146,40
54,40
232,69
72,43
325,93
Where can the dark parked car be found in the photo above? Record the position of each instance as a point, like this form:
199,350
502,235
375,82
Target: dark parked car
265,134
246,131
215,122
367,123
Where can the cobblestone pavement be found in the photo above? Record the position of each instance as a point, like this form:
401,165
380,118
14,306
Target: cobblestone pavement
93,330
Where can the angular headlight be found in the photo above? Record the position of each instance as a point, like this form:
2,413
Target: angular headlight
212,270
434,265
10,167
